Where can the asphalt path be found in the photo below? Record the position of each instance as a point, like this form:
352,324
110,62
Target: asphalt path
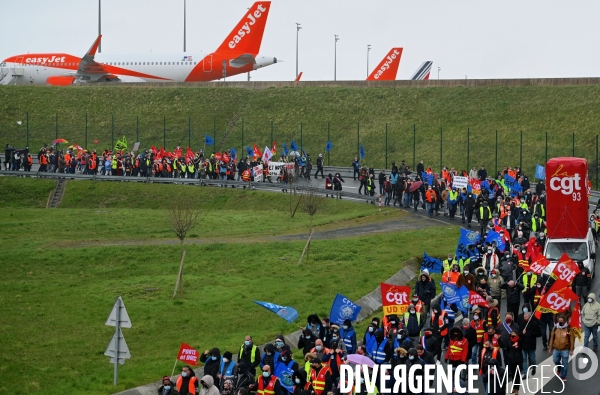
551,384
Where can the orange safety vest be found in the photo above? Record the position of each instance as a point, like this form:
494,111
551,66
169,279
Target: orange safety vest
29,161
492,339
43,160
456,349
418,306
270,390
494,356
191,384
479,329
318,380
430,196
537,296
450,277
523,262
489,316
440,322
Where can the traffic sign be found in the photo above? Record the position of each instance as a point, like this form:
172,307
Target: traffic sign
124,321
122,348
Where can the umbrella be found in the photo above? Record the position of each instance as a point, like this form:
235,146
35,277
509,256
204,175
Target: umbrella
415,186
294,153
59,141
360,360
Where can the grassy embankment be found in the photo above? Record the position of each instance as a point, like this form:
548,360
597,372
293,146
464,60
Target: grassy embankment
558,110
63,268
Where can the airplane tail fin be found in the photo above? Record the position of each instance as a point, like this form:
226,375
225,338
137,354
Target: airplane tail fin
388,67
423,71
247,36
299,76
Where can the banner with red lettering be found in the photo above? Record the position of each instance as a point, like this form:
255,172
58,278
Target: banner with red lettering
564,272
394,298
188,355
476,299
538,265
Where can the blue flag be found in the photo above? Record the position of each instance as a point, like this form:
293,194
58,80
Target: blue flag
433,265
427,178
343,309
328,146
466,239
249,151
486,185
463,294
450,293
287,313
362,151
285,149
233,154
208,140
512,184
293,146
540,172
493,236
284,375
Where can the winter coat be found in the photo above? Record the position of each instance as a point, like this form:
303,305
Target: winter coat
425,290
211,388
590,312
495,284
532,332
513,295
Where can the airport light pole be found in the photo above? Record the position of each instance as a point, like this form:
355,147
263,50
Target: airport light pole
184,9
100,24
439,68
368,50
298,27
335,57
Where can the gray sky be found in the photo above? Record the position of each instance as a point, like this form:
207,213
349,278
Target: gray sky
477,39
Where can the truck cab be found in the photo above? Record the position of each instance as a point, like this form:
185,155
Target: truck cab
576,249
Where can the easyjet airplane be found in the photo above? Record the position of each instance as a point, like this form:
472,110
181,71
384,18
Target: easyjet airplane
239,53
388,67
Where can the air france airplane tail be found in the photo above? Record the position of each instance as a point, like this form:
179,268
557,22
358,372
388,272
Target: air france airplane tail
388,68
423,71
247,36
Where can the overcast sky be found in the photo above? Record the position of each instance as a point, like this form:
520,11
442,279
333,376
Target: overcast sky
477,39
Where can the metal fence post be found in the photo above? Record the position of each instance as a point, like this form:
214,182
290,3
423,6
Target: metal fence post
112,128
596,161
546,147
165,132
414,146
521,152
386,145
137,128
242,137
301,144
56,124
328,139
27,126
271,133
189,132
358,140
573,144
215,132
86,130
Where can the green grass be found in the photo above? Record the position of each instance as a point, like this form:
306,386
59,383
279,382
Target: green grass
24,192
557,110
60,277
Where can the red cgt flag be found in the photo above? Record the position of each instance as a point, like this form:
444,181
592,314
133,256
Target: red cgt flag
565,271
226,157
274,148
575,320
188,355
538,265
556,301
189,154
476,299
257,152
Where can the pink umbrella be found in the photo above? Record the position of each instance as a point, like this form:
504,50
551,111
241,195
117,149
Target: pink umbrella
360,360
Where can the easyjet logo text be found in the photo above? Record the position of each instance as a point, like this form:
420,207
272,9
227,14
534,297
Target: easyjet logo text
53,59
388,62
253,16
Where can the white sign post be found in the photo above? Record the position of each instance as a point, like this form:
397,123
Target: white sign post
117,349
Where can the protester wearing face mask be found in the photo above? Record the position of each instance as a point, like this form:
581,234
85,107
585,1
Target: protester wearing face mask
458,349
285,366
187,383
250,355
414,360
505,328
280,344
400,357
306,342
451,277
431,344
426,290
348,336
590,319
561,345
514,361
228,367
466,278
242,378
582,282
379,350
267,383
319,350
413,323
167,387
391,325
513,296
212,364
490,260
300,384
417,303
320,377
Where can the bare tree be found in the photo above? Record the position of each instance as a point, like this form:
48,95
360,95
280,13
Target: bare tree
231,126
184,217
312,200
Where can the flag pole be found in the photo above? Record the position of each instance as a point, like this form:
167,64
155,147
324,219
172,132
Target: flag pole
173,372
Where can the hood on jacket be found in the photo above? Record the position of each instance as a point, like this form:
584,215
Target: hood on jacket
313,319
592,295
424,273
301,374
456,331
208,380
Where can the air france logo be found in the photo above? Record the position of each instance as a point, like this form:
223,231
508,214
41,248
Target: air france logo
387,64
246,26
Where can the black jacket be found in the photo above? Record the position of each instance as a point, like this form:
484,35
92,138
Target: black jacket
532,332
425,290
513,295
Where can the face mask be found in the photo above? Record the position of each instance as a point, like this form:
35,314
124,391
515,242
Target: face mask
508,320
362,380
167,387
213,358
279,344
525,310
371,329
411,357
268,353
318,348
266,374
184,374
590,300
489,251
393,322
493,276
284,359
334,338
475,317
539,286
308,337
466,273
225,360
465,327
345,326
297,381
247,342
416,300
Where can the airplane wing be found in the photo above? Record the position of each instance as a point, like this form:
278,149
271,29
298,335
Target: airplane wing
89,69
242,60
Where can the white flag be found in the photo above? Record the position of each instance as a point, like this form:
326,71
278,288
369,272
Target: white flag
267,155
